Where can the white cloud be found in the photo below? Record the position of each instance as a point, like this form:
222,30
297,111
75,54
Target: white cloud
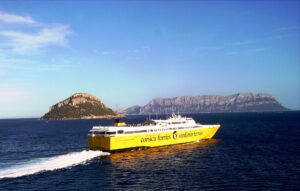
274,37
33,37
260,49
283,36
248,51
11,18
106,52
241,43
210,48
289,28
21,42
133,51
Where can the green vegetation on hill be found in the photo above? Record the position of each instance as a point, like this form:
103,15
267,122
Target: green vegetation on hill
79,106
80,111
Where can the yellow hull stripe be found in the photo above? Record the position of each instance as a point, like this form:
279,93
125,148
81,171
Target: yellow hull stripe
154,139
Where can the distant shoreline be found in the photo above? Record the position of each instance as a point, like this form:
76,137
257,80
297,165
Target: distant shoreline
123,116
88,117
224,112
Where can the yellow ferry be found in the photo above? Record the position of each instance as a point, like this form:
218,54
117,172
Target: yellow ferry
152,133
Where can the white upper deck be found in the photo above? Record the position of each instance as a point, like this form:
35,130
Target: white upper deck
173,123
175,119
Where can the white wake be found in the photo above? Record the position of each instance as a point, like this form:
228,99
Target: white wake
49,164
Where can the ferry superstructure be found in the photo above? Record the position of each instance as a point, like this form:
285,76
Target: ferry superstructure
152,133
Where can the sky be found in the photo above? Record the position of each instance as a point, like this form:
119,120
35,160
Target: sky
129,52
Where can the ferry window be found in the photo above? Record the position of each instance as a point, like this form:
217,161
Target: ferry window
98,133
120,131
110,133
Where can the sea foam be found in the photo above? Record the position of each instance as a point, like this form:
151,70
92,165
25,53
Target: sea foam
49,164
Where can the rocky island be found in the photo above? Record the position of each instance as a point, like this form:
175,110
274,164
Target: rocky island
80,106
240,102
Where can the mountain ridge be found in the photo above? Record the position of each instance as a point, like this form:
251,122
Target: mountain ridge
239,102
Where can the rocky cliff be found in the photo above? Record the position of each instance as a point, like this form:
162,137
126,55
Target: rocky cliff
240,102
79,106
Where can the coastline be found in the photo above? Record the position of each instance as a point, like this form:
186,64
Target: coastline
124,115
89,117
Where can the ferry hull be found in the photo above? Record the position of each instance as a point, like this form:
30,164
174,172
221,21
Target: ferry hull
155,139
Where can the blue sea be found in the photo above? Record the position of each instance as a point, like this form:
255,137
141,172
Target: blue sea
251,151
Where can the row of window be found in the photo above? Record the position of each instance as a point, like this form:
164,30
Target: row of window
131,132
140,131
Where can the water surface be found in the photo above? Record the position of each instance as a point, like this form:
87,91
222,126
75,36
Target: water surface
251,151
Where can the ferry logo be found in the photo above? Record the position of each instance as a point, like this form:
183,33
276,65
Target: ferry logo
174,135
